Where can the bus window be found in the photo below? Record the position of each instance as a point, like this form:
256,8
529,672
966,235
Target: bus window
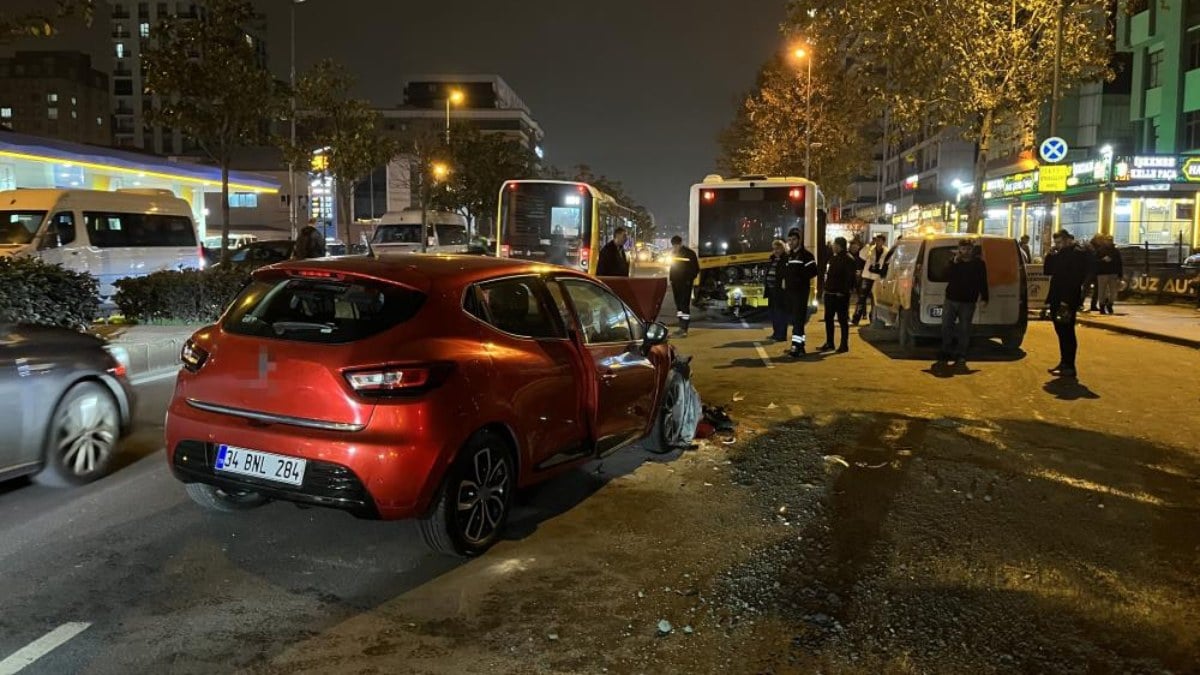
547,222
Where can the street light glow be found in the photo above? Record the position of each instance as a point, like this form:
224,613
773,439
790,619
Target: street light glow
799,53
456,97
440,170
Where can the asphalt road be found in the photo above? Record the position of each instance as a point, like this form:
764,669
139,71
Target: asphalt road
131,577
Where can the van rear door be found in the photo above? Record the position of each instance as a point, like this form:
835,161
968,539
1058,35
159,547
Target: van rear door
1005,268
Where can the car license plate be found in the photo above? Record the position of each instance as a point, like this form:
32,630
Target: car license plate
935,311
264,465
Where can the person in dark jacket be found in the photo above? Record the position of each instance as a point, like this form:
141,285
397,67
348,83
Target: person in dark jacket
773,284
309,243
1067,266
966,287
685,267
799,271
614,261
840,276
1109,272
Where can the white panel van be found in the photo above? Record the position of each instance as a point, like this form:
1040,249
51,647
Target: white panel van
111,235
401,233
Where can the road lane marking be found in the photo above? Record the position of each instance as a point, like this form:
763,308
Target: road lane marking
41,647
762,354
147,378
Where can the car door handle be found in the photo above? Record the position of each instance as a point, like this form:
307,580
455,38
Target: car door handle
608,375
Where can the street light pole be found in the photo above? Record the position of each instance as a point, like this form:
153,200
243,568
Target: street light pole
456,97
808,120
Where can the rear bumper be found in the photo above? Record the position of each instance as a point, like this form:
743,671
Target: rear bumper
389,470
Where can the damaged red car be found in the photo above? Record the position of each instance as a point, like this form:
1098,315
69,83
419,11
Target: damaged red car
427,387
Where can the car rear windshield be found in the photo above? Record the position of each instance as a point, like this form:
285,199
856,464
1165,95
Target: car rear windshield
331,310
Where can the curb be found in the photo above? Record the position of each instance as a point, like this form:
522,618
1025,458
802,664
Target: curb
1138,332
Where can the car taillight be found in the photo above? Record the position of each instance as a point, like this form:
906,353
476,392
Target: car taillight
317,274
203,261
585,255
398,380
192,356
506,250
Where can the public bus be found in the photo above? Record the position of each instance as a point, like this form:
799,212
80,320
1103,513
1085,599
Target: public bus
732,223
560,222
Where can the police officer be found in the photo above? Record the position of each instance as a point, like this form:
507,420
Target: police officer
797,285
685,267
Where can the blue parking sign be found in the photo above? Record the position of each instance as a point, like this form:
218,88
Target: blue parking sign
1053,149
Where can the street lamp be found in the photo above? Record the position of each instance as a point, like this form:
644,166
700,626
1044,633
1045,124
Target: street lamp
291,164
440,171
456,97
802,54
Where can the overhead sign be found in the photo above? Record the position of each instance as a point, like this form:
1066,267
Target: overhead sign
1053,177
1191,170
1020,184
1053,149
1157,168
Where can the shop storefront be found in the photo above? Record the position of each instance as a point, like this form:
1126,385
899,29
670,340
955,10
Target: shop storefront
922,220
1146,201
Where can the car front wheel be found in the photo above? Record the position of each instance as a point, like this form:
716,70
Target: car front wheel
83,436
474,501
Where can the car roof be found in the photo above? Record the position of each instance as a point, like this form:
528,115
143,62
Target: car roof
422,270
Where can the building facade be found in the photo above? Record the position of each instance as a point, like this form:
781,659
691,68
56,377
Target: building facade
132,23
56,94
1164,38
488,104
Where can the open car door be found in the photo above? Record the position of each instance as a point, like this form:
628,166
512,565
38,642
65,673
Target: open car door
643,295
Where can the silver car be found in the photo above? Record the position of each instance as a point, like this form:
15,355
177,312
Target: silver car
65,400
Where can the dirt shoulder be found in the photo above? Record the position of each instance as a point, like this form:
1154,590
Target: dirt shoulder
858,524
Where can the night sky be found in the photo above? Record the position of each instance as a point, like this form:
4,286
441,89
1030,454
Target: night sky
637,89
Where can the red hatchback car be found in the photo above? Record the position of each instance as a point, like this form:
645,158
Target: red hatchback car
417,386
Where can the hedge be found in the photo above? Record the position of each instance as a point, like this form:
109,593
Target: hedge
32,291
185,296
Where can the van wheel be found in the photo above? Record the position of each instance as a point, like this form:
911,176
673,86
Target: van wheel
904,331
1012,340
473,503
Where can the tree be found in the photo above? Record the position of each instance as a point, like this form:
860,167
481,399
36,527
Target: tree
346,127
479,164
769,136
43,23
211,85
975,65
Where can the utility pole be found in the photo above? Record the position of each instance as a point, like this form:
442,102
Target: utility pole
808,121
1058,40
292,118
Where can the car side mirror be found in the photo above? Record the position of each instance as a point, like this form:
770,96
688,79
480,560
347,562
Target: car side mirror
656,334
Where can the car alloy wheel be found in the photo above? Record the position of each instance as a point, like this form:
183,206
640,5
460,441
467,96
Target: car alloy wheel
83,435
482,496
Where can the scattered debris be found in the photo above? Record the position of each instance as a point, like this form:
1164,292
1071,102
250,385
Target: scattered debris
687,630
664,628
738,397
836,459
553,637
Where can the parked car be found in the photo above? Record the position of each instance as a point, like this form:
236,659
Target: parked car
66,402
1192,262
912,293
260,254
419,386
110,235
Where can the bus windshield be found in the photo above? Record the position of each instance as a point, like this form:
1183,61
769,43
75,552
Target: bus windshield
549,222
747,220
